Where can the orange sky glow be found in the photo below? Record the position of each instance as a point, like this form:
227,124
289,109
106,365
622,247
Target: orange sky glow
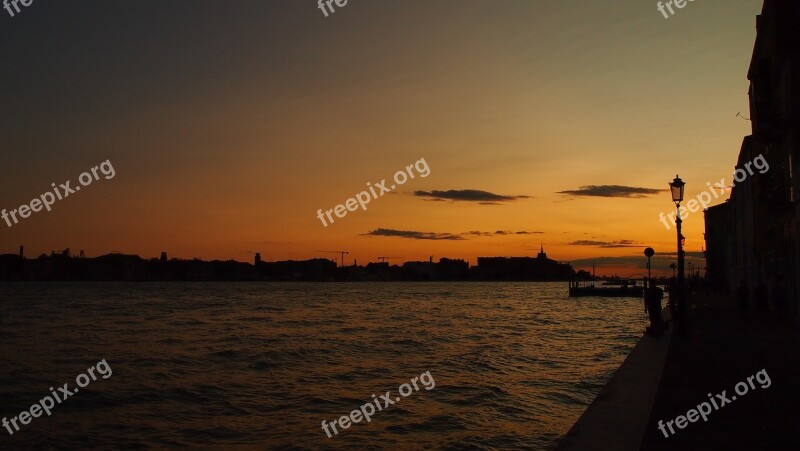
226,142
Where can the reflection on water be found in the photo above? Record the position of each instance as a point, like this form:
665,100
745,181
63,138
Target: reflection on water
261,365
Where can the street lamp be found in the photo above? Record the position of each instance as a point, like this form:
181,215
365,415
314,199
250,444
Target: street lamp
649,253
677,188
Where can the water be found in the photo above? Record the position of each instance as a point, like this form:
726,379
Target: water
218,365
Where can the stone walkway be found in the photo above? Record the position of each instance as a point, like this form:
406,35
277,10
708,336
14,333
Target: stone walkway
725,346
617,418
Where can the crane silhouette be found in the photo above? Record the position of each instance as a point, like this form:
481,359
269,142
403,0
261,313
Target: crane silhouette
343,253
383,259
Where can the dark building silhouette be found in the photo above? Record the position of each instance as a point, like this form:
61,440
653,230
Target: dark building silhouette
382,271
11,266
450,269
717,237
318,269
63,266
540,268
420,271
753,239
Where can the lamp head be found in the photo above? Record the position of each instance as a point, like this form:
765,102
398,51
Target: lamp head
676,187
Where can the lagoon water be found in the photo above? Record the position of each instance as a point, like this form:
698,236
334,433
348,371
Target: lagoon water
260,365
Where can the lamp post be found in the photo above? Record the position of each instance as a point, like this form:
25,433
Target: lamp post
649,252
677,187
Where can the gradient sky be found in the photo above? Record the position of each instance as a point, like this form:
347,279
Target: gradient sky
229,124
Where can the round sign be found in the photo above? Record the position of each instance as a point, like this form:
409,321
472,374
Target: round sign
649,252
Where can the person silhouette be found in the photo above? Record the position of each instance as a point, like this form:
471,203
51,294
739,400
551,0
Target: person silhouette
672,301
652,299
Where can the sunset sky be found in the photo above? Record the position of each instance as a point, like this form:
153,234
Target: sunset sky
229,124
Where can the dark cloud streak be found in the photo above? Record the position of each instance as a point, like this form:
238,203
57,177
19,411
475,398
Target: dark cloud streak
605,244
468,195
415,235
612,191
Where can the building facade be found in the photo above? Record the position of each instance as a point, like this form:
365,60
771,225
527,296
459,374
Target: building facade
752,240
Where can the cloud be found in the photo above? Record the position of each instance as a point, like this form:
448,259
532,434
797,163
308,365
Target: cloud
477,233
521,232
586,243
414,235
468,195
605,244
612,191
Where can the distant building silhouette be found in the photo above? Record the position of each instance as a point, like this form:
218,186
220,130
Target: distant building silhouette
540,268
116,266
11,266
